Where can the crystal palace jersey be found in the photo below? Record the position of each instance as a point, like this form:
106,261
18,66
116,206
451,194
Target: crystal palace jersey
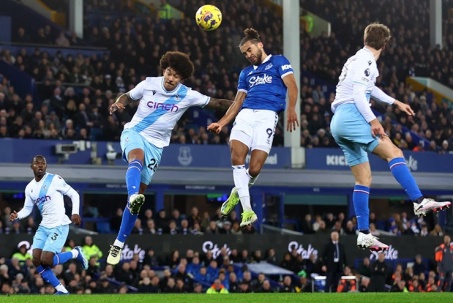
47,195
264,85
360,69
159,109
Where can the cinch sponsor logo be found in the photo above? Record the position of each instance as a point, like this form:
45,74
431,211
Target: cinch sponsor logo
43,199
286,66
335,160
256,80
165,106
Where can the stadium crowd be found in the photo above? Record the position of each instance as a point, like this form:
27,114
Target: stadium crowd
226,272
74,91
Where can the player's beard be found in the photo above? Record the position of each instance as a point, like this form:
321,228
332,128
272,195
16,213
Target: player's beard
259,58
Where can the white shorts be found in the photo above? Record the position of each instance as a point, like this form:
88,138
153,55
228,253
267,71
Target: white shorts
255,128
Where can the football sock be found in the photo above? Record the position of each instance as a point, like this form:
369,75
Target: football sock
360,199
404,177
241,180
48,275
252,179
127,224
133,176
62,258
118,243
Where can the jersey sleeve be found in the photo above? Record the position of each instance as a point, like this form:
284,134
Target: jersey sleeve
284,67
363,74
28,205
242,83
198,99
137,92
61,185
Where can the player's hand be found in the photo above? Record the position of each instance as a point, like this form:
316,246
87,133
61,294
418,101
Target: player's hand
376,129
76,219
215,127
13,216
292,121
115,106
405,108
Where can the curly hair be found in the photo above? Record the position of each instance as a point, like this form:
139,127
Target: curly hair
250,34
178,61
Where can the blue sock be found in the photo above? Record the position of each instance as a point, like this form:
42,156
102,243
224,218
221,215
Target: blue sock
133,177
127,224
62,258
40,269
360,198
404,177
48,276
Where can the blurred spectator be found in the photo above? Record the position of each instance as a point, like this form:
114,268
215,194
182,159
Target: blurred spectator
379,271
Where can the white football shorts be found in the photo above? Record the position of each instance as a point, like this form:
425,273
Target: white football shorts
255,128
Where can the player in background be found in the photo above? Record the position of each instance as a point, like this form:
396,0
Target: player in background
261,95
162,101
46,191
357,131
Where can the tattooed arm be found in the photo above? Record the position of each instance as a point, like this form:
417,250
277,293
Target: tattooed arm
121,102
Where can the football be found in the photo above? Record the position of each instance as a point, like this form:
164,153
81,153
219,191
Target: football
208,17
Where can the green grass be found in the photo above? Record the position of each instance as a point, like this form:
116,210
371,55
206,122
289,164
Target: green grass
238,298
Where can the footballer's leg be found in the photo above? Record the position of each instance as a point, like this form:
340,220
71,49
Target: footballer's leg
257,159
130,214
397,164
133,146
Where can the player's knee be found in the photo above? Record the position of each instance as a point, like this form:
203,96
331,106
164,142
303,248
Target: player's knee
36,262
254,171
47,261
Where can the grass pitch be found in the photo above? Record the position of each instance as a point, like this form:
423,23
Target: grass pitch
238,298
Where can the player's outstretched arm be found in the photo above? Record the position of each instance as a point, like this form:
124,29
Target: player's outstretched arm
13,216
232,111
219,104
405,108
121,102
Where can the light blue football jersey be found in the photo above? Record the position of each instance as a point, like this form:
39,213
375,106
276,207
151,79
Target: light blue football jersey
159,109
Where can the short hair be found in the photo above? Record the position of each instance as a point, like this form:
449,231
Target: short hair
38,157
376,35
178,61
250,34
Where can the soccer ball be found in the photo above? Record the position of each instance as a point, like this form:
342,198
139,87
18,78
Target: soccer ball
208,17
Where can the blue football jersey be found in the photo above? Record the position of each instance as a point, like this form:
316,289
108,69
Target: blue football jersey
264,84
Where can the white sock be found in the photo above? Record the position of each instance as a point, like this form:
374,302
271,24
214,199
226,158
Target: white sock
75,253
61,288
252,179
118,243
241,180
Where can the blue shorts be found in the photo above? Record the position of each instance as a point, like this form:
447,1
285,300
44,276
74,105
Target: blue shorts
353,134
130,140
51,239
